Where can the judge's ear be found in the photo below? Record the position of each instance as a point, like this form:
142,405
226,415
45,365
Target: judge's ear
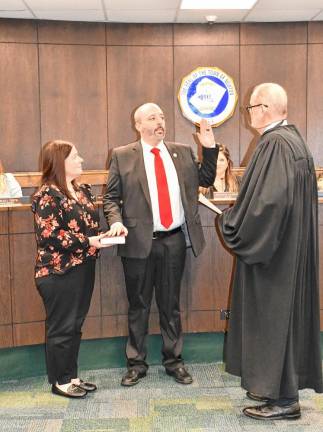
138,126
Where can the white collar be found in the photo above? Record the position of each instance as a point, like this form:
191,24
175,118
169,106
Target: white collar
148,147
272,125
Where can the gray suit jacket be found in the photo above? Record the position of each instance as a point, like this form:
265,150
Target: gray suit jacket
127,197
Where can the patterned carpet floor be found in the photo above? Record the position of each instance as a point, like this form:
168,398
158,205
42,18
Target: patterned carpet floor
212,403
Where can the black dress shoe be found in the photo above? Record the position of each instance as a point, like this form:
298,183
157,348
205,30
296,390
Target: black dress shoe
87,386
274,412
72,391
132,377
256,397
180,375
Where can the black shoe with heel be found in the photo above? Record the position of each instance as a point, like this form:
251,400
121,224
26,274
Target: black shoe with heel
87,386
72,391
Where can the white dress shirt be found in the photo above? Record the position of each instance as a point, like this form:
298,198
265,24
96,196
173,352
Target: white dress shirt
173,186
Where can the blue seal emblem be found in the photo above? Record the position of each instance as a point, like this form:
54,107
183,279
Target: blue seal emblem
209,93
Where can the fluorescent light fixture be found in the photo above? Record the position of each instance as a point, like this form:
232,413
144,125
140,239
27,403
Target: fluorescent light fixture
217,4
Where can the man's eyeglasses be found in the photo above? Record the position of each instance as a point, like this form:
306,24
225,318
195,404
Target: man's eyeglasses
249,107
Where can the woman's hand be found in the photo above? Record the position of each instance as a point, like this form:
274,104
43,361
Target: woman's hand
95,241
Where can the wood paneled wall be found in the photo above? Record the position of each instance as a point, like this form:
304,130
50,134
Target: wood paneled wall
82,82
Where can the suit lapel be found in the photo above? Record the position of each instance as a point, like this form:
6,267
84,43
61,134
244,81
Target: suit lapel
175,157
174,154
140,165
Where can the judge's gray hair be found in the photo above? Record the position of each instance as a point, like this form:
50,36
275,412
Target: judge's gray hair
273,95
142,108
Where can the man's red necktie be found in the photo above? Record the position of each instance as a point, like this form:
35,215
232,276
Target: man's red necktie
165,210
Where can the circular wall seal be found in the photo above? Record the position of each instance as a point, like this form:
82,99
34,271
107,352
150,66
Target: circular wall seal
209,93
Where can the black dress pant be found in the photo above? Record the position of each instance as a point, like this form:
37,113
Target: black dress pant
162,270
67,300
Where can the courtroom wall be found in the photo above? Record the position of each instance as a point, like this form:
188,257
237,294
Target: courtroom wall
82,81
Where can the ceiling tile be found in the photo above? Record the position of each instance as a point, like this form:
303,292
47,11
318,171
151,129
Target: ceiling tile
12,5
319,17
61,5
158,11
71,15
142,4
25,14
289,4
142,16
266,15
217,4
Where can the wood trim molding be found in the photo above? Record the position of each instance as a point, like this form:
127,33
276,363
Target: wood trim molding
94,177
32,179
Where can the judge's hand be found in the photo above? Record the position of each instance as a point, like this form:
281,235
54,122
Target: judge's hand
205,135
95,241
117,229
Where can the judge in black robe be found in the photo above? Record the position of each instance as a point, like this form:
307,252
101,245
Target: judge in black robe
273,339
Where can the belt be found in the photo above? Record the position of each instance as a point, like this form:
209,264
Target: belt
163,234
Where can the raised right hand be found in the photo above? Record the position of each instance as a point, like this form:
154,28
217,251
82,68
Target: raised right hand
205,135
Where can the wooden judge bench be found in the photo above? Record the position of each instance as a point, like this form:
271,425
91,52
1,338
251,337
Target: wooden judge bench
205,285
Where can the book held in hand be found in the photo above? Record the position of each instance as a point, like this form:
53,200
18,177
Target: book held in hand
113,240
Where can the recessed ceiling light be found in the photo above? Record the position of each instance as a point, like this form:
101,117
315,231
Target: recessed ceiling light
217,4
211,18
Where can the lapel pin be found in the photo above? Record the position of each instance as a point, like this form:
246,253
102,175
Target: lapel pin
175,155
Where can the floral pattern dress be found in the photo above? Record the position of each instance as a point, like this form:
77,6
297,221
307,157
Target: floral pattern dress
62,228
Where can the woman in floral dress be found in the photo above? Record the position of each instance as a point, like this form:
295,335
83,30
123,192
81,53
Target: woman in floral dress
68,242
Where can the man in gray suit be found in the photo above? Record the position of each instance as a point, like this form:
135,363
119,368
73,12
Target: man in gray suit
151,197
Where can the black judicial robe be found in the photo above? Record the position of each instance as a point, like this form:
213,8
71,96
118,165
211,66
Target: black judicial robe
273,339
